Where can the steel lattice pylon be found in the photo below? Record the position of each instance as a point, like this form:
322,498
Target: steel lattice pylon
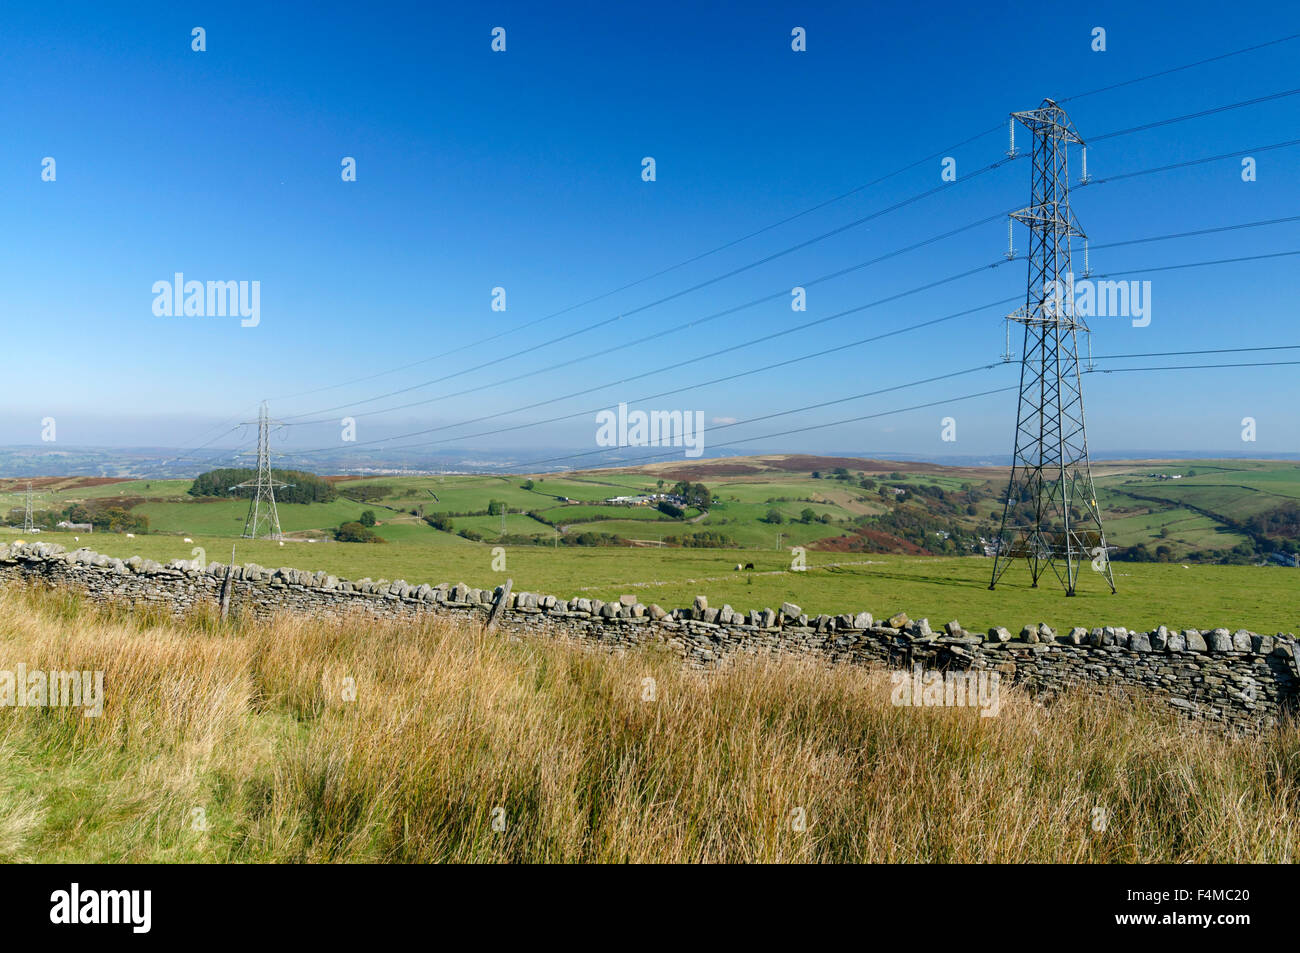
1050,516
261,509
29,523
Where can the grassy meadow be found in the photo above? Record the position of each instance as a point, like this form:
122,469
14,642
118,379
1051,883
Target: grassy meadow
846,571
939,588
243,744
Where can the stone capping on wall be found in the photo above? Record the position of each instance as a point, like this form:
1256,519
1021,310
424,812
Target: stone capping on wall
1240,676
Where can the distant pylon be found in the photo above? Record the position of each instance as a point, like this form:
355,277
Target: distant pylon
29,524
261,508
1050,515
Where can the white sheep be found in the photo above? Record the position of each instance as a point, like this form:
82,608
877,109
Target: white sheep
188,540
130,535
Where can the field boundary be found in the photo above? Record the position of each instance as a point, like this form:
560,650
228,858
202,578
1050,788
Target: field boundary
1241,679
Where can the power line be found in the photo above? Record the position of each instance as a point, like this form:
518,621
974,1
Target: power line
695,322
779,254
1110,274
806,429
1200,264
1179,69
1199,231
1196,115
1212,350
1191,162
795,360
811,209
752,303
970,370
777,224
677,294
1191,367
801,327
804,326
529,466
185,454
658,274
688,387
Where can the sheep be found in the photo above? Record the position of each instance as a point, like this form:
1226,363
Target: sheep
130,535
188,540
749,565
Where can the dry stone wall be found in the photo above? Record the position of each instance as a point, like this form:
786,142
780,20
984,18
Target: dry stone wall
1244,680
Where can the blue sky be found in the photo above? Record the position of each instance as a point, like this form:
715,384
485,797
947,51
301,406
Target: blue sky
522,170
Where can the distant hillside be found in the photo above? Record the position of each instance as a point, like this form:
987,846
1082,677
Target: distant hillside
1230,511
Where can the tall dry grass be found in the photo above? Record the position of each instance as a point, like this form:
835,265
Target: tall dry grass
237,744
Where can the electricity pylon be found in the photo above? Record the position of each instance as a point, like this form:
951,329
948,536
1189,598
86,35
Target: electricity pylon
29,524
1050,516
261,509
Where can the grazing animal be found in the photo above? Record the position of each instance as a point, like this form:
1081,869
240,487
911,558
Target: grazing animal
130,535
188,540
738,567
749,565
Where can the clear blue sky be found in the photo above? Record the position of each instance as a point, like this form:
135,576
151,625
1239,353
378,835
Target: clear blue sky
523,170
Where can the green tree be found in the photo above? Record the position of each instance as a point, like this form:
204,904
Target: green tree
367,518
354,532
76,513
303,487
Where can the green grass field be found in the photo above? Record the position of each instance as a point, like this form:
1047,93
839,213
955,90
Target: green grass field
939,588
1184,514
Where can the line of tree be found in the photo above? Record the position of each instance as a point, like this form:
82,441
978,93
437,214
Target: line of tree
366,492
304,487
702,540
593,539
